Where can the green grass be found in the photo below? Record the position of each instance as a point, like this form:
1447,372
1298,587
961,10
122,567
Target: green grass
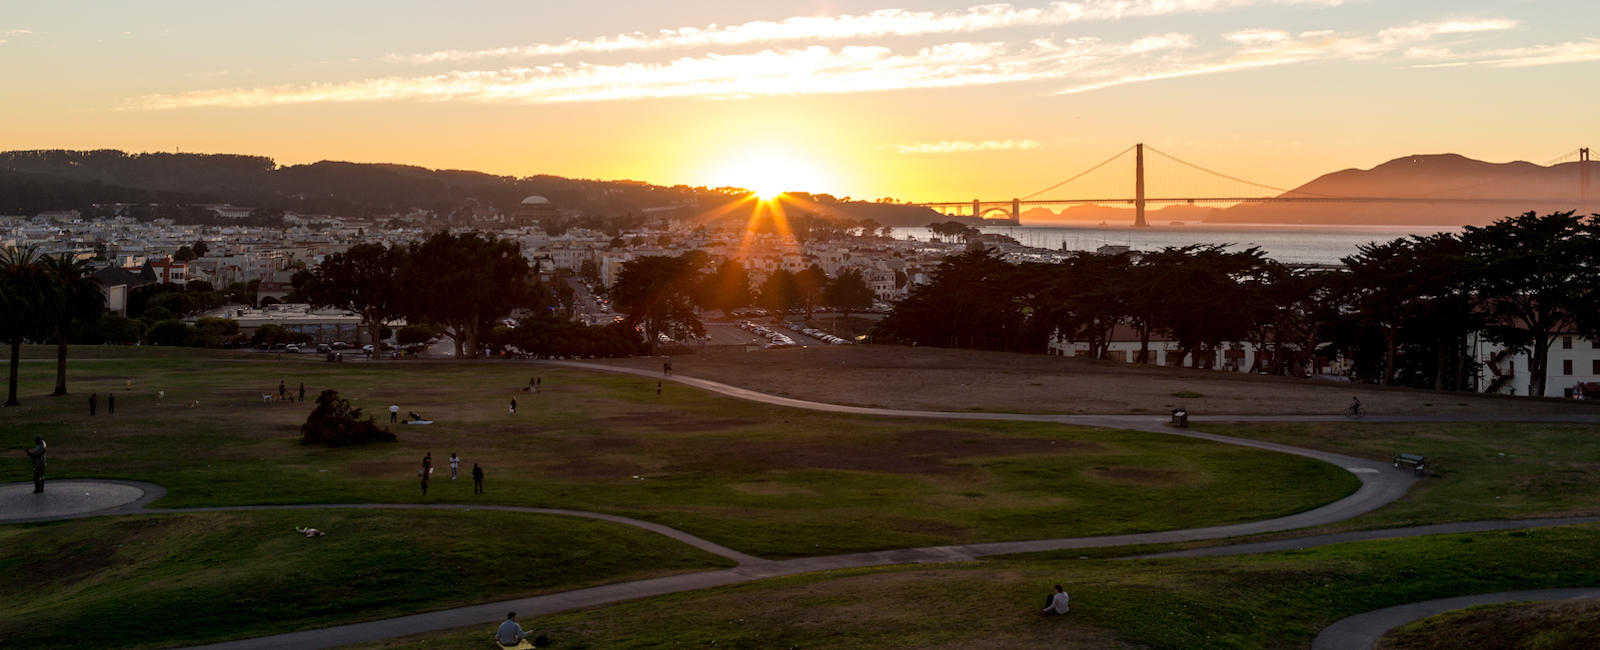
1521,626
1279,600
769,481
1488,470
212,576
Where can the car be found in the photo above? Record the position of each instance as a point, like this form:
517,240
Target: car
292,348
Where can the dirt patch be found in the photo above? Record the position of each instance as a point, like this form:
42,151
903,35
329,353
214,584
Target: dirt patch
674,422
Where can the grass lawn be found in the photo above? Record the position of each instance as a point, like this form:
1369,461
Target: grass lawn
769,481
944,379
180,579
1269,601
1488,470
1533,626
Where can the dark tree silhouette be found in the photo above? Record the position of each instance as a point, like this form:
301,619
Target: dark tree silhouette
657,294
24,293
74,299
364,279
848,292
462,284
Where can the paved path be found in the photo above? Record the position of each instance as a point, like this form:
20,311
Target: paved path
1362,631
1380,485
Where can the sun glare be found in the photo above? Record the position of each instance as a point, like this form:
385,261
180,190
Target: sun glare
769,174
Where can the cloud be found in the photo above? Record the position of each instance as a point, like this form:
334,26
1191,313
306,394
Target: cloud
873,25
806,71
961,146
1260,48
1519,57
1083,64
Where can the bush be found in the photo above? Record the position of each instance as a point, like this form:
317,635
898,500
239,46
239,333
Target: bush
334,423
171,333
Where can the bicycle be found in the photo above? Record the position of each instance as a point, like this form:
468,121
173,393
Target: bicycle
1354,411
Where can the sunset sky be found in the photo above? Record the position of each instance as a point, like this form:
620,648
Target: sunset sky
918,101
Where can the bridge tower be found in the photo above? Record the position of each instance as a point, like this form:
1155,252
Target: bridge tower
1016,212
1583,178
977,210
1138,187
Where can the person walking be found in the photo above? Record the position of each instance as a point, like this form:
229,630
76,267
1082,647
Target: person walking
302,391
477,479
427,468
111,403
283,391
93,397
513,406
455,465
394,413
37,456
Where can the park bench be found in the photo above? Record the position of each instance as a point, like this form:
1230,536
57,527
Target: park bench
1416,462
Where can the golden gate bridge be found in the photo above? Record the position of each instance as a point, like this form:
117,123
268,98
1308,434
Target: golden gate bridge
1009,212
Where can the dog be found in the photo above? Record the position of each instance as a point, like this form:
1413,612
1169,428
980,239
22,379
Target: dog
266,397
194,403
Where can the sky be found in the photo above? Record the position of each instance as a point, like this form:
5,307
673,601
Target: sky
922,101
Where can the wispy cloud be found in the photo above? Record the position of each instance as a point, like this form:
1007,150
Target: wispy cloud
1519,57
877,24
1083,64
961,146
1260,48
807,71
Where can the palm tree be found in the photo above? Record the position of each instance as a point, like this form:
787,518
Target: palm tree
74,298
23,285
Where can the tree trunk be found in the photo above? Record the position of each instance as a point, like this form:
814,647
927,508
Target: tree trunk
1389,345
1144,344
455,337
470,334
1537,365
16,360
61,367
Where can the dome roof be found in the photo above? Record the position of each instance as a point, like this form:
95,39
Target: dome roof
536,200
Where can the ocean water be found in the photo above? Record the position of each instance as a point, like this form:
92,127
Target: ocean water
1288,243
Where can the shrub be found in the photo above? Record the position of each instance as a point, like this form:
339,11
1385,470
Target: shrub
335,423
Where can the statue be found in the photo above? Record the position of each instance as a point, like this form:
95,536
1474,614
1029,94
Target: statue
37,456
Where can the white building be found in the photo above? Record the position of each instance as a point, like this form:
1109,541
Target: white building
1573,368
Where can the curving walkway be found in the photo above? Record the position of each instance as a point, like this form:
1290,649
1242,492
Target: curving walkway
1362,631
1380,485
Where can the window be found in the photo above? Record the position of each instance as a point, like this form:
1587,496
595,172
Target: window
1566,343
1566,366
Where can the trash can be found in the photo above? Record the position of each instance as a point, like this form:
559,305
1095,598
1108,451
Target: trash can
1180,418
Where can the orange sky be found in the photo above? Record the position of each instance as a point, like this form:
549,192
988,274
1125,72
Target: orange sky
932,101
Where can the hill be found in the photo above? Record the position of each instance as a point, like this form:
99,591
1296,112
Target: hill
42,180
1437,176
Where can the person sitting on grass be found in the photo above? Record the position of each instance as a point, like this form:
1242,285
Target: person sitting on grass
510,634
1058,603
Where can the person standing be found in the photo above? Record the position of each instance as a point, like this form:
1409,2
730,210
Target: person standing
111,403
302,391
477,479
93,397
37,456
283,391
455,465
427,468
394,413
513,406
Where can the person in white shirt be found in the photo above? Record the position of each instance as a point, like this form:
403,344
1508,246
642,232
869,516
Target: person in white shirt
1058,603
510,633
455,465
394,413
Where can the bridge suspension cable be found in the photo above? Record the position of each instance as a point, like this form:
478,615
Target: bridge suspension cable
1235,179
1080,175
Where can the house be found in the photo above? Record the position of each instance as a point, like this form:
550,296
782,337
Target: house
1573,362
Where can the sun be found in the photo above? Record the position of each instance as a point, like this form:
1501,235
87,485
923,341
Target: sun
769,174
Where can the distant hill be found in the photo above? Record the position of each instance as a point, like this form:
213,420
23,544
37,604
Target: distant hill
1423,176
37,181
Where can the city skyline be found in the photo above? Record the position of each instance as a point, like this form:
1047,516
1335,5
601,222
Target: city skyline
935,101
